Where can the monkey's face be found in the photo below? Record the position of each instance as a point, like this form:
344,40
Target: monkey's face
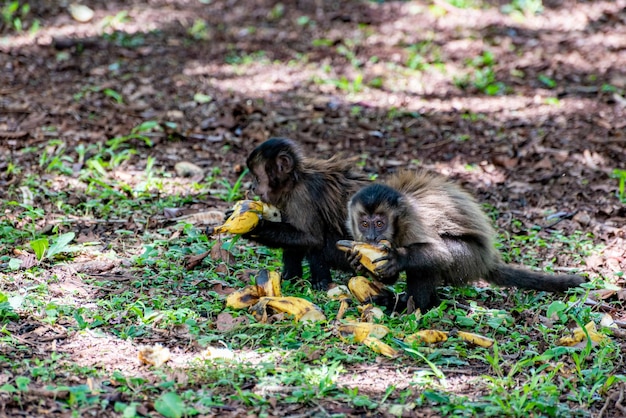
373,227
261,185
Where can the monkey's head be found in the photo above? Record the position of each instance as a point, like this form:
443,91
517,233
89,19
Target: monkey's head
275,165
372,213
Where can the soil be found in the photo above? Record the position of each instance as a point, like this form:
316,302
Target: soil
542,153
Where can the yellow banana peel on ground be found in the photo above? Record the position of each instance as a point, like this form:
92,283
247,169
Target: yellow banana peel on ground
358,331
579,335
367,333
433,336
301,309
364,289
380,347
267,284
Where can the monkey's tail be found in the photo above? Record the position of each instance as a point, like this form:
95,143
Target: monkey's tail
509,276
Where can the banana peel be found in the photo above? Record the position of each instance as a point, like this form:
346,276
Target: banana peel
428,336
268,282
369,253
370,313
301,309
578,335
433,336
246,216
243,298
475,339
358,331
155,355
380,347
365,289
368,334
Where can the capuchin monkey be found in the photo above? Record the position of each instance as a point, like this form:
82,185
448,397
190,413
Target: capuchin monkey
438,235
312,196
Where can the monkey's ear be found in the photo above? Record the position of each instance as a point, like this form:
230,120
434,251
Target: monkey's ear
284,163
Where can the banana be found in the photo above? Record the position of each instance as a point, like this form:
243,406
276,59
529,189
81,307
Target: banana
343,307
380,347
475,338
428,336
364,289
338,292
432,336
361,330
369,252
246,216
369,312
268,282
243,298
301,309
578,335
270,212
156,355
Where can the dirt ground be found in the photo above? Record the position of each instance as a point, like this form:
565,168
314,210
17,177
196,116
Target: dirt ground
547,146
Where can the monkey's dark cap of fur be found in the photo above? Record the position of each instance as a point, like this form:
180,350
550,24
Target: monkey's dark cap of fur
372,196
269,149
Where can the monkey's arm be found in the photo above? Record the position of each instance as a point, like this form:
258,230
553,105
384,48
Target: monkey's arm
421,256
281,235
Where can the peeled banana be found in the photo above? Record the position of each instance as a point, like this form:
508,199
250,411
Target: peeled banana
369,252
246,216
301,309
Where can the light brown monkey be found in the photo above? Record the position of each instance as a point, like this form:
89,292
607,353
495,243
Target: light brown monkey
438,235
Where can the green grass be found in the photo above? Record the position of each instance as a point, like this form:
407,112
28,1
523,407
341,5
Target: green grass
524,373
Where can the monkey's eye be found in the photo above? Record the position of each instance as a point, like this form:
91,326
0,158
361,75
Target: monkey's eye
379,224
364,224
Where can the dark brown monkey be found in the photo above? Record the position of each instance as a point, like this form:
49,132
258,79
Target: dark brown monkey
312,196
438,235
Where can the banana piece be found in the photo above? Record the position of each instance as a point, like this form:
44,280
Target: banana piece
246,216
268,282
428,336
243,298
364,289
369,252
380,347
301,309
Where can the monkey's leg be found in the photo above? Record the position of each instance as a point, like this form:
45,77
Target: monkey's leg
292,263
320,270
421,285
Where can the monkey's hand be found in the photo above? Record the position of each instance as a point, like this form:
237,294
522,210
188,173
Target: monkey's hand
354,258
391,266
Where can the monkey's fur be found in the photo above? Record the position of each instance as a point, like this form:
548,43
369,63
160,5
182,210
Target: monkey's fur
312,196
438,235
